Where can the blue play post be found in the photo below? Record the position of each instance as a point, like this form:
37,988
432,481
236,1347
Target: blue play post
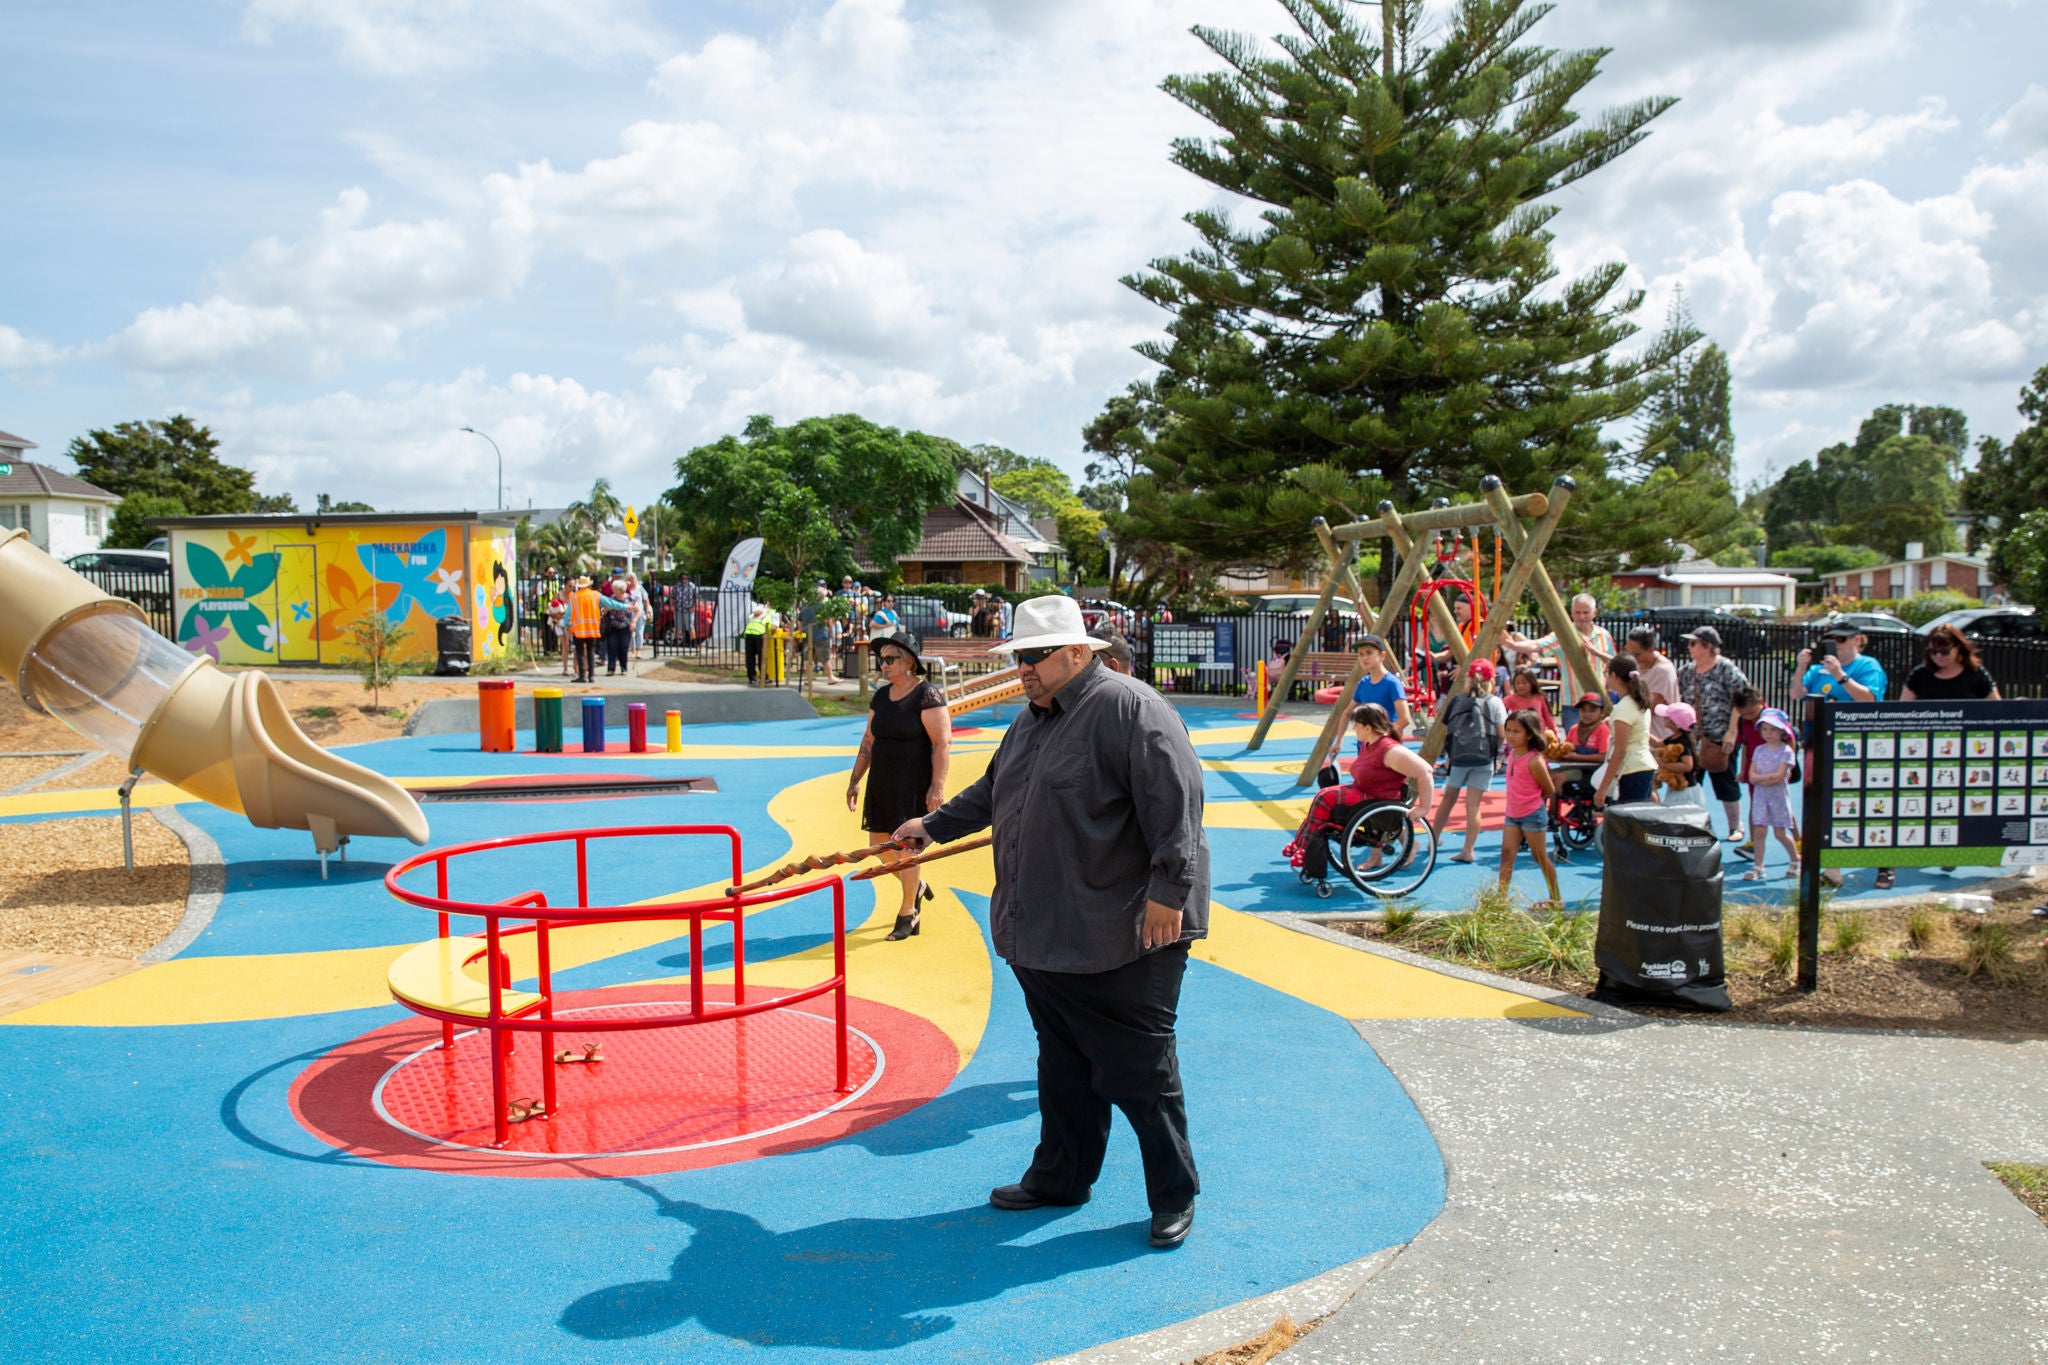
593,725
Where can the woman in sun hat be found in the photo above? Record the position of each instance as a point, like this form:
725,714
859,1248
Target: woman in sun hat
904,754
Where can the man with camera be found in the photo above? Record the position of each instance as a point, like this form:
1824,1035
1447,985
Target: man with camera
1839,670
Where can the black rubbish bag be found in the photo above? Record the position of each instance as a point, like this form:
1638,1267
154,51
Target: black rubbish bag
1660,908
451,645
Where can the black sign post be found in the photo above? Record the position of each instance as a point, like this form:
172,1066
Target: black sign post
1918,784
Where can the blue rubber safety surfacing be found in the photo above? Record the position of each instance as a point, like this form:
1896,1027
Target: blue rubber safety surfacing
177,1212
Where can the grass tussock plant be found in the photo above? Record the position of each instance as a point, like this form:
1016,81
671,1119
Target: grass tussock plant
1989,952
1498,934
1782,947
1849,934
1924,924
1553,944
1748,925
1399,919
1474,935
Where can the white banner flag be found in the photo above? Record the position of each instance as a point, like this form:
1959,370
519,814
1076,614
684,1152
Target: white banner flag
735,588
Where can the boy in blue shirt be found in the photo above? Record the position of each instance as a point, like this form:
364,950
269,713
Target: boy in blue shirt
1381,687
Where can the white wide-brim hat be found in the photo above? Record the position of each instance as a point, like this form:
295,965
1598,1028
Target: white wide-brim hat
1047,623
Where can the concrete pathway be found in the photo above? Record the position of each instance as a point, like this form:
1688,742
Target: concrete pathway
1639,1191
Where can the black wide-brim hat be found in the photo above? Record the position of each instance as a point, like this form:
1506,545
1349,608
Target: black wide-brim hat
904,641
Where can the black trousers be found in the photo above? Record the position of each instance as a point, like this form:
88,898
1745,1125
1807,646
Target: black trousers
616,640
586,657
753,648
1106,1038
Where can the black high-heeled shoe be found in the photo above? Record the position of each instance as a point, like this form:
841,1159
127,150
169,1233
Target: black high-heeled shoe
906,927
924,891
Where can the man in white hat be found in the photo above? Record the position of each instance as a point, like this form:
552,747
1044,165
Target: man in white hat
1102,882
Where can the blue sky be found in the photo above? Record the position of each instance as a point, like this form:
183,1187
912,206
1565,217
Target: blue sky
604,231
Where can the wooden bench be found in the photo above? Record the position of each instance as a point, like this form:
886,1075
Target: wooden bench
434,975
944,655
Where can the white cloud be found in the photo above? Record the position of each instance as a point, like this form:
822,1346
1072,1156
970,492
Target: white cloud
1872,290
412,38
205,336
20,352
2025,124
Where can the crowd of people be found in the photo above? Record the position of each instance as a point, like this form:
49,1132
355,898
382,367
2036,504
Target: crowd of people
1695,732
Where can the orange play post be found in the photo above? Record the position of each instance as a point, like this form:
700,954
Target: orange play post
494,715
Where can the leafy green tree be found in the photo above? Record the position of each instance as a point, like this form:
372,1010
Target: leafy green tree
130,529
599,509
566,546
1676,488
169,457
1894,484
1825,559
270,504
1042,486
1080,536
1392,325
873,483
2008,479
325,504
2024,552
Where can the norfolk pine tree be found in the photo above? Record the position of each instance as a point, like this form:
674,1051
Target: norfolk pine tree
1393,325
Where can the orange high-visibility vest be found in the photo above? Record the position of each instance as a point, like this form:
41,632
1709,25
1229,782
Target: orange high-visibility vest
583,615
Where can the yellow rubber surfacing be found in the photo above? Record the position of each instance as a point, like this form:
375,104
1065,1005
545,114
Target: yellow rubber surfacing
944,975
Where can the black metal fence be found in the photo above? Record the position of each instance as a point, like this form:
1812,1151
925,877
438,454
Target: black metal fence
149,589
1215,654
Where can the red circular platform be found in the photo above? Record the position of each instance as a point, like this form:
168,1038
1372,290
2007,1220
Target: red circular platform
664,1100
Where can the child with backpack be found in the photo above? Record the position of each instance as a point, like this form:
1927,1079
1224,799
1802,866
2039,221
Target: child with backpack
1473,721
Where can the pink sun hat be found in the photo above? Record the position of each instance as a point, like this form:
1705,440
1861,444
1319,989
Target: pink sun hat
1681,716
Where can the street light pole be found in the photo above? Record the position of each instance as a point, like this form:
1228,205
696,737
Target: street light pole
501,464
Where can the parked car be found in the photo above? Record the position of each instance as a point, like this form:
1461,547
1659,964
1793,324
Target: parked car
929,616
141,561
1748,611
1869,622
1741,638
1991,623
1302,603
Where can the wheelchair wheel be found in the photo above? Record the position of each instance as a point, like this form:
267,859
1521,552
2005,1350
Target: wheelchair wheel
1405,847
1577,828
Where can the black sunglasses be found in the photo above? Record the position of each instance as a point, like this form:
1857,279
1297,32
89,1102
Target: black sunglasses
891,657
1034,657
1941,649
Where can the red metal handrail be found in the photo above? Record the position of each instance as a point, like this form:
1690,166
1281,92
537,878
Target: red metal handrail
503,1026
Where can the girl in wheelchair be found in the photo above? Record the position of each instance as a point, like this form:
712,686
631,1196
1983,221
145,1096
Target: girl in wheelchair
1380,775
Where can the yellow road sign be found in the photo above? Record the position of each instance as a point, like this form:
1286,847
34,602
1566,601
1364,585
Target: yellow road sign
632,522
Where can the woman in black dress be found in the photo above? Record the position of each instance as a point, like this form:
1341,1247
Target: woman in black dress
904,754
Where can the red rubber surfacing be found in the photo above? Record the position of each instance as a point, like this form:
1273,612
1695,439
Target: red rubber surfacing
664,1100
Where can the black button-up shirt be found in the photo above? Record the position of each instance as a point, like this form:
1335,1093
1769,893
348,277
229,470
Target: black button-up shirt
1096,802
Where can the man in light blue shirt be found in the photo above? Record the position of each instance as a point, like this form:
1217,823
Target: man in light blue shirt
1847,675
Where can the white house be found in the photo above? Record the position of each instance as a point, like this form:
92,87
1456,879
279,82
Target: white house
1703,583
62,513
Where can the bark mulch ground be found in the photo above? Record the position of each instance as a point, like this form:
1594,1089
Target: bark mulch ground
63,888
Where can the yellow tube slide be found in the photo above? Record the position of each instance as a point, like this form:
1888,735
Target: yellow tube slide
92,662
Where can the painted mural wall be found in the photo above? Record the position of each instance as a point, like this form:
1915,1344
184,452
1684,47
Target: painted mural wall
278,595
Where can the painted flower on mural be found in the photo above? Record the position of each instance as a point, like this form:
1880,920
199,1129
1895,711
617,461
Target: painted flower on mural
349,600
450,580
207,639
227,601
273,637
415,571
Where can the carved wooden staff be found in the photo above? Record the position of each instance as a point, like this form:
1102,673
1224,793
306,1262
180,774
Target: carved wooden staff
948,851
817,862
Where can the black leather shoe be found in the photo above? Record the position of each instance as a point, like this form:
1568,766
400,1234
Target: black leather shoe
1169,1230
1016,1199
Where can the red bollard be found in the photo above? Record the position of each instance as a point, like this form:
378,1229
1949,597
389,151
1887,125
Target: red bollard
636,727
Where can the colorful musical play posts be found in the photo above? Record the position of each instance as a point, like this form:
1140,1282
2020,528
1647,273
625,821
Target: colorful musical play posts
92,662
